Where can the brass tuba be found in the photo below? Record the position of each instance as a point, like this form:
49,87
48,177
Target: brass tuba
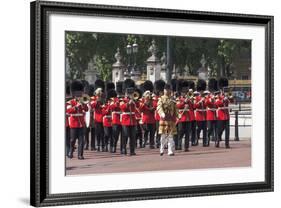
84,99
136,95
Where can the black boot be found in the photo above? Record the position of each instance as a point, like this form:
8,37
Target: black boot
217,144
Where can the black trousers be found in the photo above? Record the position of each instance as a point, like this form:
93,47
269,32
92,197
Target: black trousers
77,133
116,131
99,134
139,135
93,138
212,129
223,125
108,137
202,126
193,132
183,131
158,136
67,140
129,133
149,129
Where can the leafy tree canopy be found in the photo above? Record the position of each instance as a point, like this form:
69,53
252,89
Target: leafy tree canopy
186,52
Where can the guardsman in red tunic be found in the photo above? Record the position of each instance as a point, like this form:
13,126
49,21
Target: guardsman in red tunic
128,117
148,110
116,115
76,111
107,125
211,116
212,110
107,117
159,91
96,105
116,123
191,87
139,127
222,103
67,129
183,123
200,112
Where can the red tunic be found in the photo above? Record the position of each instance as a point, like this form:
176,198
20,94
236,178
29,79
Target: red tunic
76,113
223,110
211,108
106,112
128,117
147,113
66,117
138,113
115,111
96,105
183,107
200,112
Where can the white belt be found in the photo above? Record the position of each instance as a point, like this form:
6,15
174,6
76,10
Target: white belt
183,110
200,110
117,112
107,116
128,113
76,114
212,109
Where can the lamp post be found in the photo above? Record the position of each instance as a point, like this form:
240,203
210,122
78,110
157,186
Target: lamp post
132,51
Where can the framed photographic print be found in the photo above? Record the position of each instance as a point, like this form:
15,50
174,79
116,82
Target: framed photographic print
131,103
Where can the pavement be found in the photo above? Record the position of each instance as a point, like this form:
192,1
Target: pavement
239,155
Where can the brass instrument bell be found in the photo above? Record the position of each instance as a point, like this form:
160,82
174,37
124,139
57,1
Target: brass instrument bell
84,99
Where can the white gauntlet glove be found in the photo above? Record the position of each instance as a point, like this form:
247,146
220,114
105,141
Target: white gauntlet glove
162,115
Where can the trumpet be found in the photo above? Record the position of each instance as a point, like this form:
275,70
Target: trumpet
84,99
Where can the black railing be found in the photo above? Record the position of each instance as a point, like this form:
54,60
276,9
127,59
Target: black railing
236,112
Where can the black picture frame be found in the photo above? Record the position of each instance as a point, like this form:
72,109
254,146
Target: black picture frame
39,194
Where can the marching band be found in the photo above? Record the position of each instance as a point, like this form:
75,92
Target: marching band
159,115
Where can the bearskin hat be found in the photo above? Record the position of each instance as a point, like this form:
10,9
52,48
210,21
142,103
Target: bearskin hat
201,85
138,90
110,85
148,85
222,83
111,94
168,87
99,84
128,83
91,90
174,83
159,85
67,88
119,87
182,84
213,85
191,85
76,85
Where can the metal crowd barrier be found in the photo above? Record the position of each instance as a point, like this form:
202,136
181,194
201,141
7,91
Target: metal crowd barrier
236,112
